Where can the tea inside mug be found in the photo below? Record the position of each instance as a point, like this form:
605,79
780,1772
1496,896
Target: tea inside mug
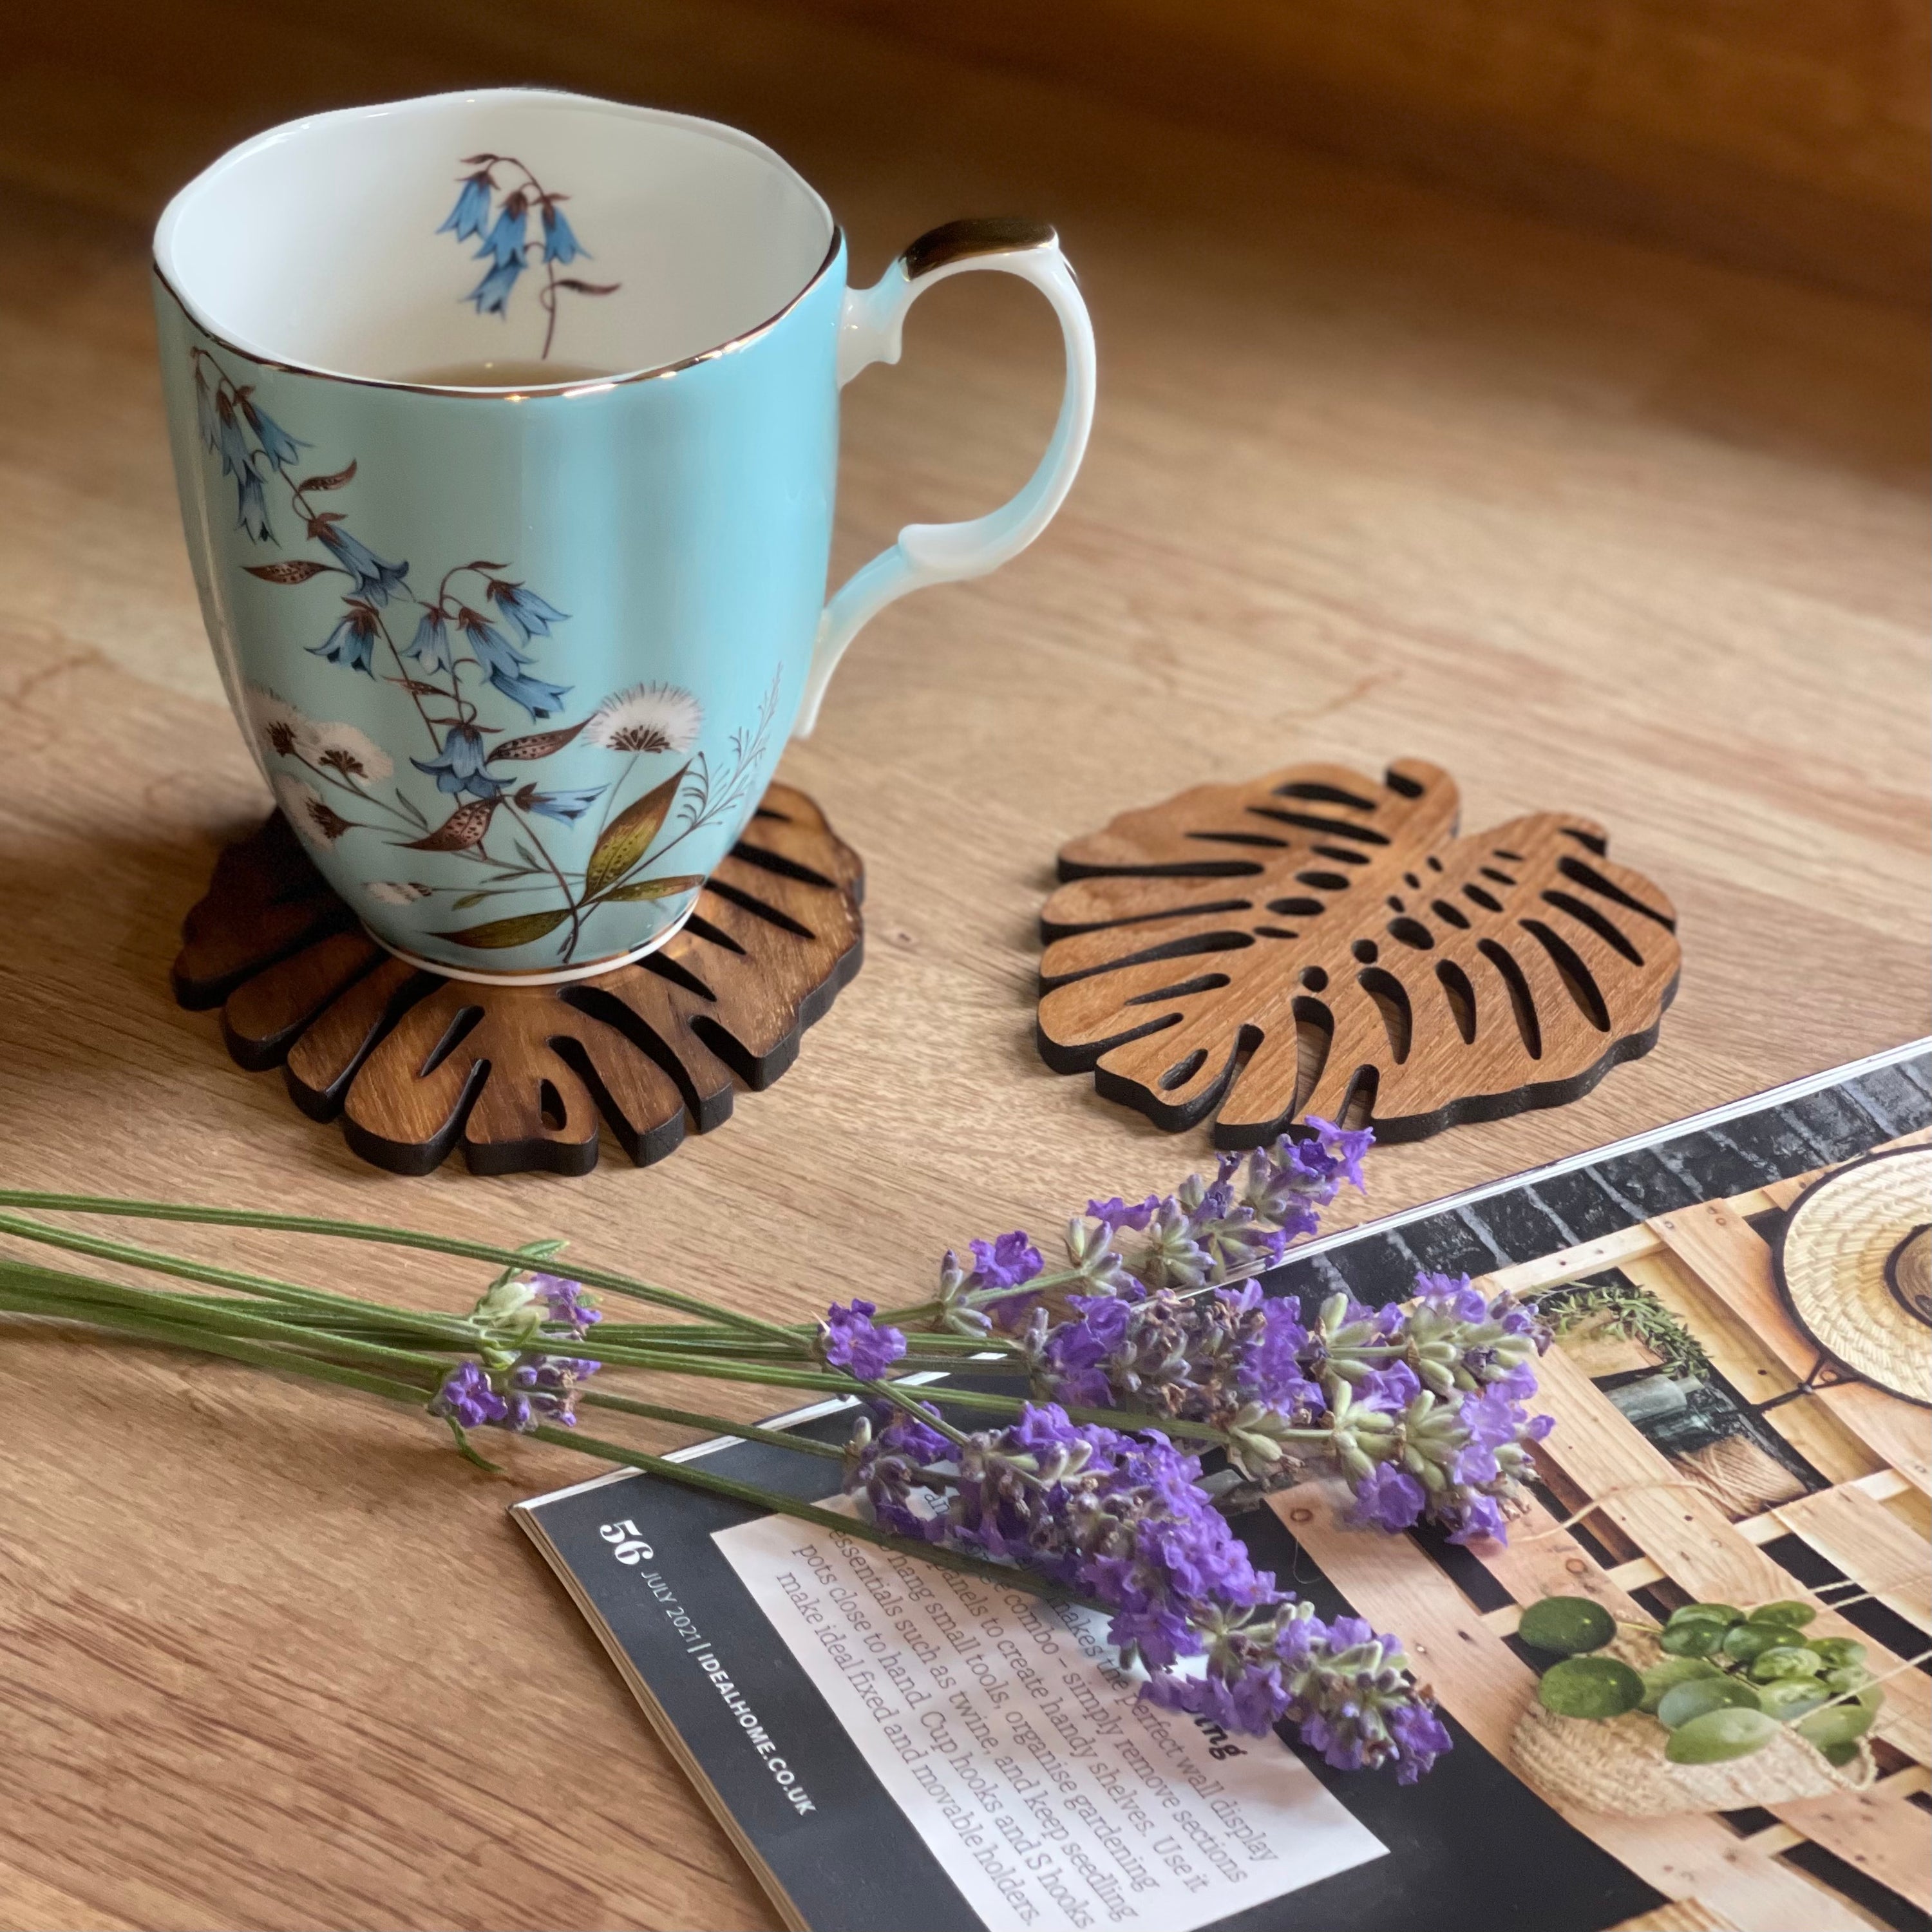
512,373
498,240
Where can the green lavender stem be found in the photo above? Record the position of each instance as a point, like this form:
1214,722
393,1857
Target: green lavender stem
455,1328
747,1432
143,1327
399,1237
688,1475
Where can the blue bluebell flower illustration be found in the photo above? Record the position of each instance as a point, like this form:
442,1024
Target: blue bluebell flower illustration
237,460
559,241
567,807
539,699
429,649
473,206
472,652
503,229
494,651
204,411
252,509
373,578
492,294
506,666
353,642
458,767
280,448
506,240
530,613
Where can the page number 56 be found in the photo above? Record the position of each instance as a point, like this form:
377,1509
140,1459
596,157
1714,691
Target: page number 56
626,1545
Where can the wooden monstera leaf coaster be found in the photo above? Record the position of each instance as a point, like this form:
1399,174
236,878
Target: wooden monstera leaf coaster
1316,943
415,1064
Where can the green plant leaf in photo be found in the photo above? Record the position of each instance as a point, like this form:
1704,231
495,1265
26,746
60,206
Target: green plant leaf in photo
1590,1687
1687,1701
1566,1626
1669,1672
1719,1736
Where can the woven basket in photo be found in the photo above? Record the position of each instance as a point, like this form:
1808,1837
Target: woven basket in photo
1616,1766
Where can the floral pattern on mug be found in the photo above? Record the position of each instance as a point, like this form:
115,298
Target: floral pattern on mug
498,217
470,667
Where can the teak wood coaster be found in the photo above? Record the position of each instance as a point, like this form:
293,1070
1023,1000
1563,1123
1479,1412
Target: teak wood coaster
1313,942
415,1064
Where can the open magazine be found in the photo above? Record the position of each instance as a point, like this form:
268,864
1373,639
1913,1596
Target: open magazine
890,1744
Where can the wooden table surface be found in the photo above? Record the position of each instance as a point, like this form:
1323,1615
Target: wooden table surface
1376,472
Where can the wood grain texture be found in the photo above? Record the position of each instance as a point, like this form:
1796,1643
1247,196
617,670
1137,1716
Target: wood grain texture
519,1077
1315,942
1375,471
1786,136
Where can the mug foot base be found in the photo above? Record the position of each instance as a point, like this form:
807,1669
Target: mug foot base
563,976
417,1062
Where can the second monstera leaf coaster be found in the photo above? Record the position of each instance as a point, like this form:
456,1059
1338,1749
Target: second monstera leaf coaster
1313,942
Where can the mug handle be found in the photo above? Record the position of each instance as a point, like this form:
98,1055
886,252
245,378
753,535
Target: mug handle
868,332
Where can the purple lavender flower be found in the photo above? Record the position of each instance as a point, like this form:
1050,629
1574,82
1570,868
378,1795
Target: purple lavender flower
1272,1369
1420,1738
1388,1500
543,1388
1075,1351
1117,1214
565,1302
1121,1519
1451,1295
1006,1261
849,1339
466,1397
1477,1516
1335,1153
1346,1690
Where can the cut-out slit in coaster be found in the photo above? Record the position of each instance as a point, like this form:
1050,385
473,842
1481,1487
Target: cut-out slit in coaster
1491,991
523,1078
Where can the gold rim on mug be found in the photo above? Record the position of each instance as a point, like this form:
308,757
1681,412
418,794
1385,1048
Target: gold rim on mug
592,104
1849,1265
583,386
562,977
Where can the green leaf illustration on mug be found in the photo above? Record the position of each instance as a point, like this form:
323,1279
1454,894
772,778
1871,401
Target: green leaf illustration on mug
465,652
522,930
629,836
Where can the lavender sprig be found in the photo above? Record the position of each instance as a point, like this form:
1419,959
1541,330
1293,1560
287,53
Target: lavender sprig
1154,1323
1124,1521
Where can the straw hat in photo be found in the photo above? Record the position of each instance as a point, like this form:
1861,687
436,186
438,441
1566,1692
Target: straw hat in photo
1854,1264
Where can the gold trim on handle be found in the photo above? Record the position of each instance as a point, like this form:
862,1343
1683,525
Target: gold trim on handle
982,234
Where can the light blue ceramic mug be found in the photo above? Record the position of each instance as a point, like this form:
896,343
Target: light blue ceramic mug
506,428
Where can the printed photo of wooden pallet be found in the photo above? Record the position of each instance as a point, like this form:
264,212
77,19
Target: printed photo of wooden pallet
1642,1530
